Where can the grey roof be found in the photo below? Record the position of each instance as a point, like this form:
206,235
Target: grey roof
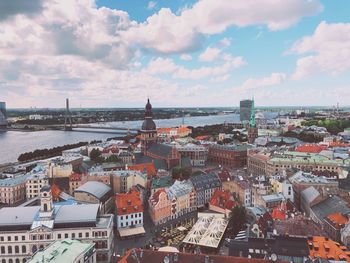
186,162
77,213
160,149
205,181
148,125
180,188
231,147
94,188
310,194
45,188
18,215
331,205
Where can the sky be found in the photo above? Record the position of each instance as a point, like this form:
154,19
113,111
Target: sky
205,53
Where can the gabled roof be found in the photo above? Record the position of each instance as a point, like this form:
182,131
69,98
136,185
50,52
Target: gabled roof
205,181
129,203
159,149
223,200
149,168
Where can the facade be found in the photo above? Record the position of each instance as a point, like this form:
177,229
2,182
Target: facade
205,185
245,110
13,190
66,250
198,154
173,205
25,230
257,163
333,224
242,189
95,193
34,183
129,210
228,155
3,115
176,132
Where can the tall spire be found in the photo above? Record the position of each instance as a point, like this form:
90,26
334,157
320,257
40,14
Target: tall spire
252,122
148,110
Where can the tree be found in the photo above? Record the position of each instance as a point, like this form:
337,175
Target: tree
95,155
237,219
112,159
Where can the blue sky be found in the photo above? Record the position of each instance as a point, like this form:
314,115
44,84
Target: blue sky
115,53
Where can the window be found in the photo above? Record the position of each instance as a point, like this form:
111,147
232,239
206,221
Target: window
9,238
2,250
73,235
66,235
121,224
24,249
1,238
59,236
87,234
80,235
16,249
23,238
9,250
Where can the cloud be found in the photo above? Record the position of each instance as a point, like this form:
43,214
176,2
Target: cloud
161,66
168,33
253,84
151,5
210,54
327,51
10,8
186,57
226,42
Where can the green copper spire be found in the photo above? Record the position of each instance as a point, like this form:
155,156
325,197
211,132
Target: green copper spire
252,122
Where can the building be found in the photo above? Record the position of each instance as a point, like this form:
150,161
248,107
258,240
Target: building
257,163
272,201
3,115
66,250
333,224
242,189
253,131
95,193
245,110
228,155
162,182
13,190
171,207
151,148
75,181
198,154
173,133
302,180
325,248
154,256
25,230
205,185
222,202
34,183
129,214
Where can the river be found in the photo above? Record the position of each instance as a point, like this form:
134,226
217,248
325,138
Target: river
13,143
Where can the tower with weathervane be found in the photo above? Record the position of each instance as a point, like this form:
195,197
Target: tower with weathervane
46,203
148,129
252,129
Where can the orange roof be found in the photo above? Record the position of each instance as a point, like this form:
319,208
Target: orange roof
129,203
155,196
75,177
323,247
223,200
142,167
338,218
339,144
311,148
202,137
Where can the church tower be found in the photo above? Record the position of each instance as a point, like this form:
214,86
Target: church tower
148,129
252,129
46,204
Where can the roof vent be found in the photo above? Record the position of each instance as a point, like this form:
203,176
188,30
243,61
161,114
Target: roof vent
129,202
166,259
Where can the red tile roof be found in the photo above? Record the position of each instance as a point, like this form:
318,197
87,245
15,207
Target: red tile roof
328,249
142,167
203,137
311,148
146,256
338,219
75,177
129,203
223,200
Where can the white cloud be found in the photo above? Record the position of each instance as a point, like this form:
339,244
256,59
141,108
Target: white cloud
226,42
186,57
151,5
167,33
210,54
329,49
161,66
253,84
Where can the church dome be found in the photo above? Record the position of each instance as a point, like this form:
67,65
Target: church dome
148,125
45,188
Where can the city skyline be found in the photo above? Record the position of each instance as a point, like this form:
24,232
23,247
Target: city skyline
204,53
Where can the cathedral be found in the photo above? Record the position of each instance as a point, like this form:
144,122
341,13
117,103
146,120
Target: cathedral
166,156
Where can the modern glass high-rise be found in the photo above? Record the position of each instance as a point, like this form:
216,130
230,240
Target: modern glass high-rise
3,115
245,110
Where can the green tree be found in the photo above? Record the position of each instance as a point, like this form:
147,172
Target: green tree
112,159
237,219
95,155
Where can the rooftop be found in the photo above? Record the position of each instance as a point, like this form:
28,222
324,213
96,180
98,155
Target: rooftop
129,203
65,250
323,247
223,200
161,182
94,188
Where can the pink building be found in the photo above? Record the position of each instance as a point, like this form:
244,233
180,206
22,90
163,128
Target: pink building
160,207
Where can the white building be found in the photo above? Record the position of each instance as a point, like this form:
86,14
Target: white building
34,183
25,230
